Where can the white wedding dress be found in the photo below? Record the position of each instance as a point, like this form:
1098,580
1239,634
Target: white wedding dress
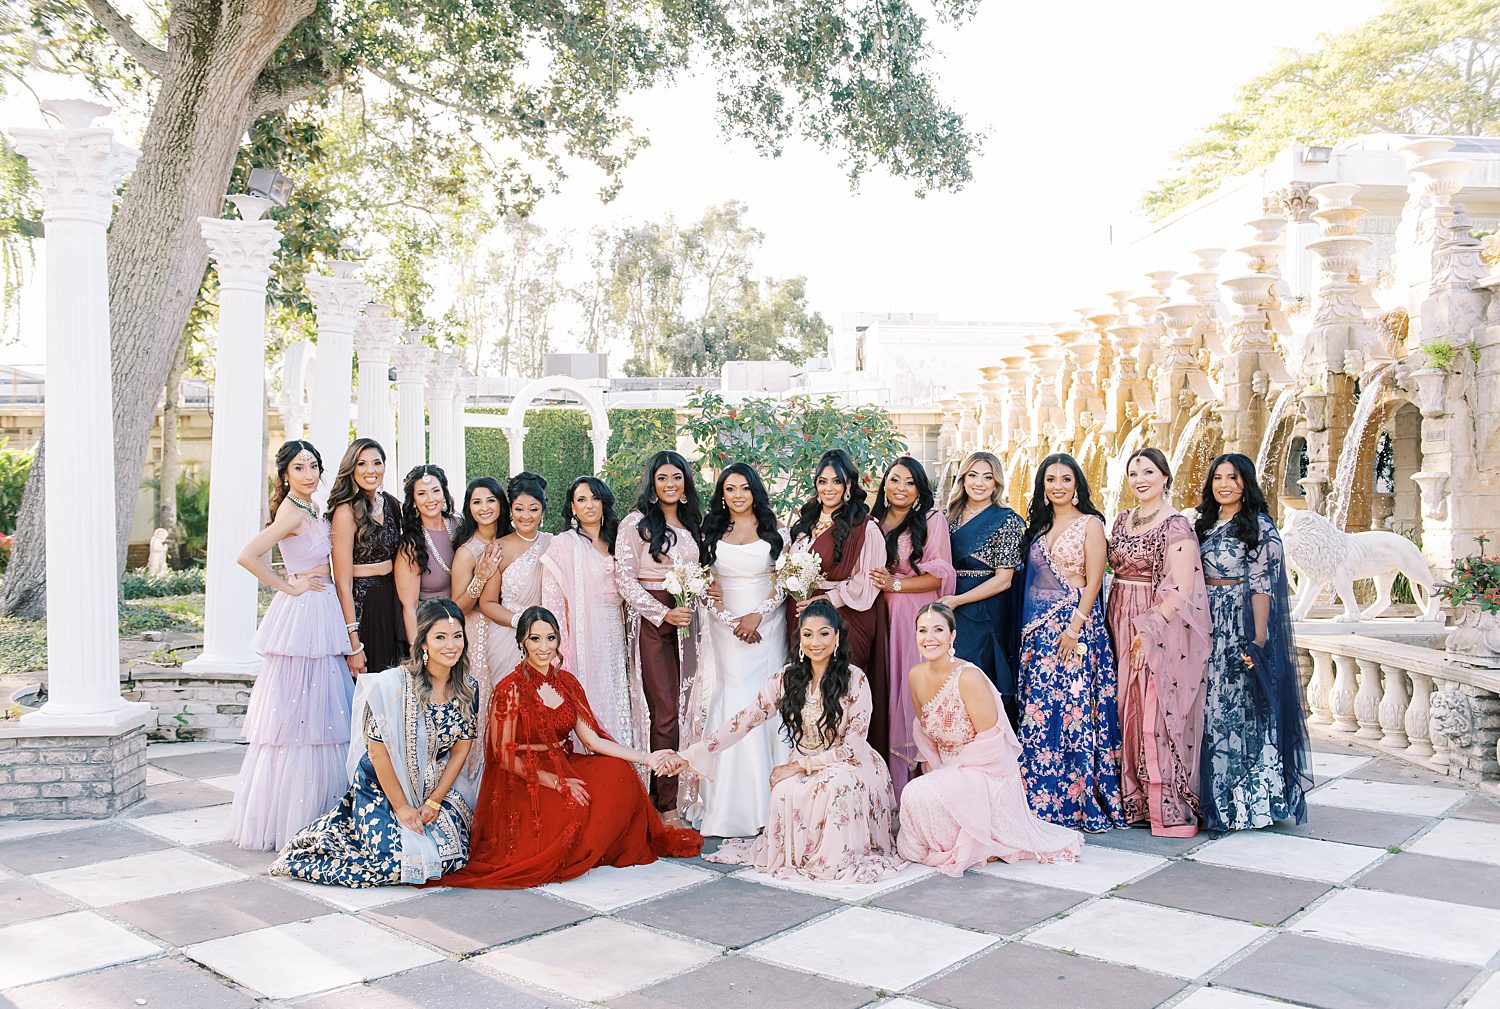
730,676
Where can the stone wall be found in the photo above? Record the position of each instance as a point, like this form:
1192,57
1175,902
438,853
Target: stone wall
71,777
193,706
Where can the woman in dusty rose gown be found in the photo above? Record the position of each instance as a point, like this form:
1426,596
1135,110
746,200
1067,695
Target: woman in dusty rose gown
970,804
918,570
578,585
1159,621
832,812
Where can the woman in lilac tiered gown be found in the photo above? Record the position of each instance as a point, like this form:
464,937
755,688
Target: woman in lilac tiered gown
918,570
969,805
297,724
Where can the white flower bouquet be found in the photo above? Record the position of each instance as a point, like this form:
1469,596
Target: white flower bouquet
688,583
799,573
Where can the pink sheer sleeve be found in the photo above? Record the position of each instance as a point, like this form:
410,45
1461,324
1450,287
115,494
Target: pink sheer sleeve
1181,601
857,591
937,558
555,596
628,547
703,755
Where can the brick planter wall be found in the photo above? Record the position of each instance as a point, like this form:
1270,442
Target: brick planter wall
192,706
70,777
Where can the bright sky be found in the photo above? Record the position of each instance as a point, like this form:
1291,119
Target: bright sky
1083,102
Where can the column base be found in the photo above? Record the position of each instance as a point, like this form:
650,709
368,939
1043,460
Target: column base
73,766
235,665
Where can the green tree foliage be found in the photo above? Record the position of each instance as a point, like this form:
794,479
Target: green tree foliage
783,439
1419,67
15,466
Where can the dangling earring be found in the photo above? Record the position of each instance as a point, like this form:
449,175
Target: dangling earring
653,497
953,651
424,658
1075,499
846,497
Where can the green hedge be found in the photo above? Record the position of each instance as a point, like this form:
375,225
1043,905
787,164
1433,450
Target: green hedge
137,584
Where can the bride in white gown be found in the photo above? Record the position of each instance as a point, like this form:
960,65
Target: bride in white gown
742,646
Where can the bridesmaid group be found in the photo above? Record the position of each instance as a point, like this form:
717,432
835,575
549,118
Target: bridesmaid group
503,707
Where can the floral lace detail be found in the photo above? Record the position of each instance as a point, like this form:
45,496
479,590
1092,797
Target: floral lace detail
521,584
1067,550
944,717
1137,556
631,556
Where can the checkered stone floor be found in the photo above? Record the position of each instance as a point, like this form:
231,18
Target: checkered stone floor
1388,899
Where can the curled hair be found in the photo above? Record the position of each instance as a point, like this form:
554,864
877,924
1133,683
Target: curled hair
460,688
609,522
1155,457
1039,511
798,675
529,484
960,497
941,609
653,525
1246,522
288,451
467,526
915,523
717,522
413,537
853,512
346,492
532,615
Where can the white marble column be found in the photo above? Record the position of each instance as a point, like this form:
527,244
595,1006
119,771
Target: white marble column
440,379
374,340
242,251
336,300
78,168
463,391
292,405
412,361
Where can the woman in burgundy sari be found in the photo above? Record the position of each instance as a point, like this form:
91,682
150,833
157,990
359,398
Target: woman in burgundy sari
545,813
835,524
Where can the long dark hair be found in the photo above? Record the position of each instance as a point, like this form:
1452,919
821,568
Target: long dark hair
915,523
346,491
460,687
853,512
413,537
1246,522
653,526
288,451
609,522
533,615
467,527
797,676
716,523
1039,511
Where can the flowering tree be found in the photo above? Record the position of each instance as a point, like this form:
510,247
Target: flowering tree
783,439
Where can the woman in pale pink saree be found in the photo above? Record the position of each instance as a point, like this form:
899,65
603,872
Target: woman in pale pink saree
969,806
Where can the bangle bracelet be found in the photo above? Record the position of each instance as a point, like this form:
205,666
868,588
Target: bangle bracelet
352,627
358,650
432,805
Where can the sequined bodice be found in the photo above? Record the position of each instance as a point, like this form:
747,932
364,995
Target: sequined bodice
1137,557
812,729
521,584
945,719
382,546
308,547
1067,550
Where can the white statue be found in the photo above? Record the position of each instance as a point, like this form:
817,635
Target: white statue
1319,555
156,561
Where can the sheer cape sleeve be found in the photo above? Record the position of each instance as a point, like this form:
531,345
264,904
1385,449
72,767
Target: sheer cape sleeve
702,756
628,551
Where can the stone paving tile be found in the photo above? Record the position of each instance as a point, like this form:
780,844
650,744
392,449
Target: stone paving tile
10,830
852,893
1402,924
1355,826
1142,840
1401,773
1098,870
1163,939
1257,897
466,921
174,983
609,888
1223,998
1334,975
1384,797
346,898
742,983
1437,879
254,862
1301,857
175,795
184,918
871,947
1477,807
1470,840
22,900
729,912
1034,978
153,874
597,960
988,903
710,844
188,826
63,944
309,957
204,764
76,847
1486,996
442,984
1331,765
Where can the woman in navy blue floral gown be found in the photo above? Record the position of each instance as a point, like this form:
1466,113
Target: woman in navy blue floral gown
408,812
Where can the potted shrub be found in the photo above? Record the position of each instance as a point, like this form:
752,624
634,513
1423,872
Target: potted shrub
1474,592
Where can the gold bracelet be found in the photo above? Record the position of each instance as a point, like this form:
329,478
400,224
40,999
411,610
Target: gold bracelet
432,805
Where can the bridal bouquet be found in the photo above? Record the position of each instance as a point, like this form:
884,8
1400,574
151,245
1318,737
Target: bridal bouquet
799,573
688,582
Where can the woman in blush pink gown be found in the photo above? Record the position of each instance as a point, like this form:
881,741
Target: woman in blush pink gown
970,804
918,570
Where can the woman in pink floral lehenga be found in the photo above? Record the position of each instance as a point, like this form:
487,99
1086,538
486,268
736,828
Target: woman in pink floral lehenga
831,816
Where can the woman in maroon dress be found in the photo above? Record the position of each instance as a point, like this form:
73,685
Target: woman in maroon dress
545,813
835,524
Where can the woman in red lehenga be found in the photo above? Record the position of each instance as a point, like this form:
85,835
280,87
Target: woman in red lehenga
545,813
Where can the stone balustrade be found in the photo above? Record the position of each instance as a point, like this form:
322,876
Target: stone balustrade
1413,702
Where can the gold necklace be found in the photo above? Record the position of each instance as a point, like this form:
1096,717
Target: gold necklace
1136,522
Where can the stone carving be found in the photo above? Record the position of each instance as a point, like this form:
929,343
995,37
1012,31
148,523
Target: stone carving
1452,717
156,561
1320,554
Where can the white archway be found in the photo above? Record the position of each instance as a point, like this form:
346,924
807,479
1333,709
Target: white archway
514,424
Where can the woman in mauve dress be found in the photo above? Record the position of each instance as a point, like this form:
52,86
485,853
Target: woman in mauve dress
424,558
1159,621
969,806
918,570
297,723
835,524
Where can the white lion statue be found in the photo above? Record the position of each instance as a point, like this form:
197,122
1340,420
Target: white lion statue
1320,555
